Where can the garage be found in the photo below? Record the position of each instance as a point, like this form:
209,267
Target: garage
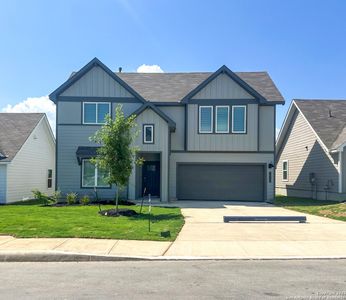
204,181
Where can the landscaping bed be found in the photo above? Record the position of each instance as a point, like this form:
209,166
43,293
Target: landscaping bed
31,219
329,209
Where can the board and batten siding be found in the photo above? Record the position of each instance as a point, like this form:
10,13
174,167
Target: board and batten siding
161,145
29,168
227,158
96,83
223,142
3,186
266,128
222,87
305,155
177,114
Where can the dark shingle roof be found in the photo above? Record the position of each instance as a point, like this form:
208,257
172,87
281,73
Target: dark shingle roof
15,129
327,118
173,87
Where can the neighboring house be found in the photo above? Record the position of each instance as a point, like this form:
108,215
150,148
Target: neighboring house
204,136
310,150
27,156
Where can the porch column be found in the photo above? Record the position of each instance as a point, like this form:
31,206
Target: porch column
340,170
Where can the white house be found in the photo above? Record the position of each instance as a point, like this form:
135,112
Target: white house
27,156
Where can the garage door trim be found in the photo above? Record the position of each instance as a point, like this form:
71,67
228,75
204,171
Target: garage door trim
264,165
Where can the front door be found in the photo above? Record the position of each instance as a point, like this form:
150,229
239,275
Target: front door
151,178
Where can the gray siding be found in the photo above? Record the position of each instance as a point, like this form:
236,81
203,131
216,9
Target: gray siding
3,184
177,114
266,128
223,142
69,112
222,87
161,145
305,155
247,158
96,83
128,108
68,170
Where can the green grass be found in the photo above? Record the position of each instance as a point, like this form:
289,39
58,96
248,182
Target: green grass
30,219
329,209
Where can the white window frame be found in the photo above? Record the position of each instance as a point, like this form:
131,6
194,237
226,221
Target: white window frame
212,119
95,178
216,108
145,141
245,117
50,178
96,123
285,161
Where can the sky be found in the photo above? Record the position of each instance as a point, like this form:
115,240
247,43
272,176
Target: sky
302,44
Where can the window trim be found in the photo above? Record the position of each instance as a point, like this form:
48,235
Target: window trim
96,103
152,135
245,119
212,118
95,178
216,108
285,161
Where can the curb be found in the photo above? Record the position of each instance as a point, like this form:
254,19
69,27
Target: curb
85,257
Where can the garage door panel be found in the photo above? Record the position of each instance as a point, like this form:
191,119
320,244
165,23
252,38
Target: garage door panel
220,182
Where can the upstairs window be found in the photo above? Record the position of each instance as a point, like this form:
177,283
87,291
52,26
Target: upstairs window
239,119
148,134
92,176
222,119
95,112
50,178
205,119
285,170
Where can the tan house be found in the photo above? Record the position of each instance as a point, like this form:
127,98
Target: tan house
310,150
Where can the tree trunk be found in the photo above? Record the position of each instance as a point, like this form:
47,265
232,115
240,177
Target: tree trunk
117,200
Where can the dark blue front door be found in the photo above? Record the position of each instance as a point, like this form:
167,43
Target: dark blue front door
151,178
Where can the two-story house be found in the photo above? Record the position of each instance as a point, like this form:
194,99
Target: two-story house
204,135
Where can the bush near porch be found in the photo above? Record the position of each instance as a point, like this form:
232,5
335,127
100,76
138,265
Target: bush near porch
329,209
30,219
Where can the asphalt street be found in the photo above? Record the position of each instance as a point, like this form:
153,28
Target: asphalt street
290,279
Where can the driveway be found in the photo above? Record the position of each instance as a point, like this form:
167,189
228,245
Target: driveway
205,235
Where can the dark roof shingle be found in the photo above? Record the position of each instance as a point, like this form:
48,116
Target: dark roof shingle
327,118
173,87
15,130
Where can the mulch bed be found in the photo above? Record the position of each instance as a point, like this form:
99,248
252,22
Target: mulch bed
121,212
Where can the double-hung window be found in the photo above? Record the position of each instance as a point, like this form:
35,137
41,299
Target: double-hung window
205,119
285,170
93,176
222,119
50,178
239,119
148,134
95,112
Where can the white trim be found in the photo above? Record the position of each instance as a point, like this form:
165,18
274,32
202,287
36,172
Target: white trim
145,141
287,164
96,112
95,176
216,108
340,171
212,119
235,106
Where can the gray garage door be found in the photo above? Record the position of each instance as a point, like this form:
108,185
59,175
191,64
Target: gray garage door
220,182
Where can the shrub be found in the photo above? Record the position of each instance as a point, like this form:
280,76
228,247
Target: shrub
85,200
71,198
56,196
39,196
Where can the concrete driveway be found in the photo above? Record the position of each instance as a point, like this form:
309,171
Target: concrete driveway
205,235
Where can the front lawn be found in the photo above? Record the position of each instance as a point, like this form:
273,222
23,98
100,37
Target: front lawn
30,219
329,209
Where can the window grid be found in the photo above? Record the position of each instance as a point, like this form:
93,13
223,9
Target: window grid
95,176
96,112
285,170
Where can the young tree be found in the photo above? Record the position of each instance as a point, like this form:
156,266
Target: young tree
117,153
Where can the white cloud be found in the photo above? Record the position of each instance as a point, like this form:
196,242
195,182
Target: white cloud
34,104
149,69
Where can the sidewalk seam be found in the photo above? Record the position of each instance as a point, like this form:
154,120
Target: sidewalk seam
61,244
110,250
169,247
